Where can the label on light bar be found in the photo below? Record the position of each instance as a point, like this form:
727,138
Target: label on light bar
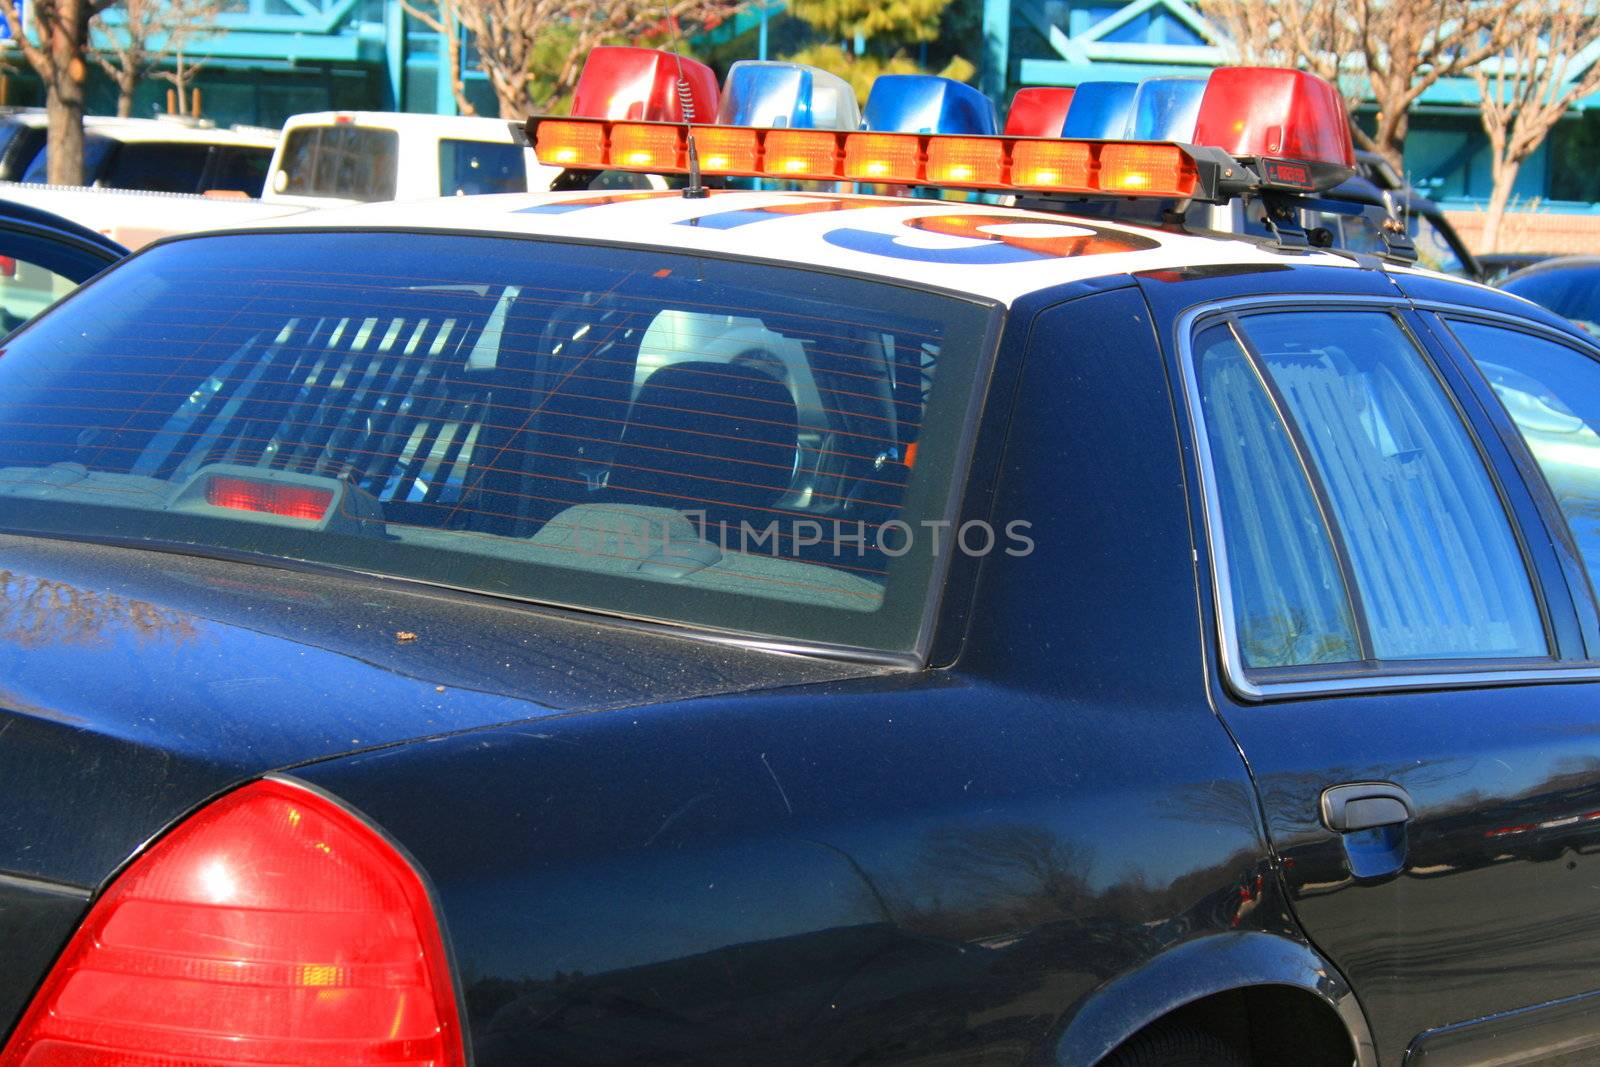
1287,174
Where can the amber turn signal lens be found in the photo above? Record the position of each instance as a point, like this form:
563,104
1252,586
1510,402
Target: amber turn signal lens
725,150
636,146
1151,169
882,157
801,154
1064,165
571,144
966,161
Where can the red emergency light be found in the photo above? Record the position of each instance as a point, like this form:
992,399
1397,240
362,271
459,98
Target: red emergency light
1038,111
623,83
1275,113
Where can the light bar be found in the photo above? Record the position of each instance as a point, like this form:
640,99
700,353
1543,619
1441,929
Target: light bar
1131,168
787,95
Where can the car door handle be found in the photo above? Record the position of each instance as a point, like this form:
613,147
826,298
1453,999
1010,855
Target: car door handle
1364,806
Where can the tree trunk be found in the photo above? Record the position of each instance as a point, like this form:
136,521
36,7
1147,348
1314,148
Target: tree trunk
127,84
1390,142
1504,178
64,91
64,124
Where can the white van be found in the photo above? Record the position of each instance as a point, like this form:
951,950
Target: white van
347,157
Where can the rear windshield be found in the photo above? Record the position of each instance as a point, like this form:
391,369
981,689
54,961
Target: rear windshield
729,445
161,166
240,168
346,162
97,150
468,167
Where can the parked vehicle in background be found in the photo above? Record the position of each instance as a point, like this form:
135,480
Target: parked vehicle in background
22,136
43,257
1567,285
134,217
143,178
350,157
1498,265
1438,244
167,155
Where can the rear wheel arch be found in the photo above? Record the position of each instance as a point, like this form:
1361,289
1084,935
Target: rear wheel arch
1259,988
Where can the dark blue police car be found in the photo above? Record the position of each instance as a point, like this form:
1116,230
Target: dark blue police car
756,627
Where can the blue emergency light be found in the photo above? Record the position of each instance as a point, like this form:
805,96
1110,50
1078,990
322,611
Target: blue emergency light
925,103
1165,109
1100,110
787,95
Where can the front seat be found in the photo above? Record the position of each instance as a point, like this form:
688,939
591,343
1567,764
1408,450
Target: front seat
714,437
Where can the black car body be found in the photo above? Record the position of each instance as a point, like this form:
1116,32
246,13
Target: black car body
1046,800
1567,285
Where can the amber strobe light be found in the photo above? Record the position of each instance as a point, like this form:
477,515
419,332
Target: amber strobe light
801,154
1124,168
1052,165
270,927
571,144
966,160
1146,168
883,157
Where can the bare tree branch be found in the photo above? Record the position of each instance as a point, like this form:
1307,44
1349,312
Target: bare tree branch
507,33
127,49
1529,87
1389,51
442,18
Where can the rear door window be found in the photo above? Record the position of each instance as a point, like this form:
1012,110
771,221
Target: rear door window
470,167
1359,519
343,161
1551,391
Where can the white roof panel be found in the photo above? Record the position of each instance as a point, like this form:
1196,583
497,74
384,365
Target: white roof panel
989,251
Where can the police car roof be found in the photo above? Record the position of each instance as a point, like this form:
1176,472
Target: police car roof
989,251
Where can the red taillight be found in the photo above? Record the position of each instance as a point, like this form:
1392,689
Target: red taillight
289,501
272,927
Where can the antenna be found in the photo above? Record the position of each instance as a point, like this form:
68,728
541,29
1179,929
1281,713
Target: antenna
696,189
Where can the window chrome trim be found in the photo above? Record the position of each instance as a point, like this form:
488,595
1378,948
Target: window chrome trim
1234,674
1445,308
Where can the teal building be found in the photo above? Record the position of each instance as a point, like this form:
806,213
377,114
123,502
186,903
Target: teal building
1064,42
278,57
